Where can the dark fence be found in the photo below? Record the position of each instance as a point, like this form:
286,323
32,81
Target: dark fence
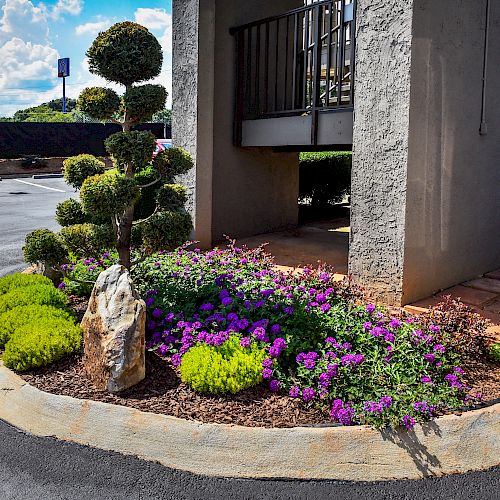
19,139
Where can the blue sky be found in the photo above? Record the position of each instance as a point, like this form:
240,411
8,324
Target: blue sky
34,34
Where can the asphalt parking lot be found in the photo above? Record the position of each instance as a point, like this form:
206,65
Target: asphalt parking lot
26,204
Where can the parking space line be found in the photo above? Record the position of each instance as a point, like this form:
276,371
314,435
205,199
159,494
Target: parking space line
40,186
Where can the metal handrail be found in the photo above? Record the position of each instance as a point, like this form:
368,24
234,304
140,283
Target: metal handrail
299,60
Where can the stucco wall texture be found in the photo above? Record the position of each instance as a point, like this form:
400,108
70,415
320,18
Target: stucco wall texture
426,184
380,144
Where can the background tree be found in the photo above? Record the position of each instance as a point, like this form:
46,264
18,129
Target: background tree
139,187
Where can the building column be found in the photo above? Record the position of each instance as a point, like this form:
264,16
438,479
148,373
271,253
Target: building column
380,145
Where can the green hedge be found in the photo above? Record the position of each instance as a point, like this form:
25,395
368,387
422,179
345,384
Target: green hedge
12,281
16,318
33,294
42,342
325,177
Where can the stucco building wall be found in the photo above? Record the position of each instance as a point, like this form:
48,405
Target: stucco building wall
235,191
426,184
453,197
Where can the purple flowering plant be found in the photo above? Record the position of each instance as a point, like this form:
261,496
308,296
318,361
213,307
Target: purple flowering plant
322,344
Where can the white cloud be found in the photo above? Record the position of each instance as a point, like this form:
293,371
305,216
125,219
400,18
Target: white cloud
153,19
23,20
71,7
92,28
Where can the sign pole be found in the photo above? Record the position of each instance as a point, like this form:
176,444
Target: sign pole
64,95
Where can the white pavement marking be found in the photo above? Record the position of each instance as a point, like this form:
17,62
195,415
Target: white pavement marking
40,186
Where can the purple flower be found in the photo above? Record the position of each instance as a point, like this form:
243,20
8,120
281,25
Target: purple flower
458,370
429,357
439,348
324,379
162,350
232,317
395,323
389,337
274,351
378,331
309,364
267,373
279,343
386,401
342,413
260,334
267,293
423,407
289,310
325,307
294,392
157,313
62,286
245,342
176,360
426,380
207,307
151,325
276,329
227,301
308,394
434,329
267,363
330,341
370,308
372,407
408,422
321,298
275,385
367,326
149,301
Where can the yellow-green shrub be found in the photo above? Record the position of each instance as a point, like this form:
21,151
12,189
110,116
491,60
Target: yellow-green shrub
16,318
41,342
218,370
8,283
32,294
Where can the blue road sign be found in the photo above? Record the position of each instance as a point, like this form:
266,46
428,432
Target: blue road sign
63,67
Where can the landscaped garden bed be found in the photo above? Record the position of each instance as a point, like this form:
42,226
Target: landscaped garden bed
412,365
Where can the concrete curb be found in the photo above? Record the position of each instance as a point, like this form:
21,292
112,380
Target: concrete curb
450,444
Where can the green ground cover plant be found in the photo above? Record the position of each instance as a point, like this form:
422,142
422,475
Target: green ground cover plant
8,283
36,326
228,368
41,342
13,320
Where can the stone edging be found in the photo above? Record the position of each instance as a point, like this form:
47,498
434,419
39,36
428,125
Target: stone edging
450,444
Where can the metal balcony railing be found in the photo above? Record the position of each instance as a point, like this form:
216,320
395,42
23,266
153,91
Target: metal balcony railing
297,63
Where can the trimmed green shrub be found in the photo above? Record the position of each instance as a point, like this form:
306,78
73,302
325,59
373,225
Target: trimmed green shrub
172,197
32,294
88,240
19,280
16,318
144,101
41,342
77,168
70,212
108,194
495,352
172,162
45,246
229,368
146,204
166,230
99,103
131,148
324,178
126,53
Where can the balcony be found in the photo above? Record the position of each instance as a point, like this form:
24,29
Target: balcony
294,85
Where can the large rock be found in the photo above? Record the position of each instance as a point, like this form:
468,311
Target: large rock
114,328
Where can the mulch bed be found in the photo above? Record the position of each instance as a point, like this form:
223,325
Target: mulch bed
163,392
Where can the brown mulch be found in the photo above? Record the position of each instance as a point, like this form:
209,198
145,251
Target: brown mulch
163,392
79,305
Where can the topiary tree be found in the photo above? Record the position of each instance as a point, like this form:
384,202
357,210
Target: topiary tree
138,196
